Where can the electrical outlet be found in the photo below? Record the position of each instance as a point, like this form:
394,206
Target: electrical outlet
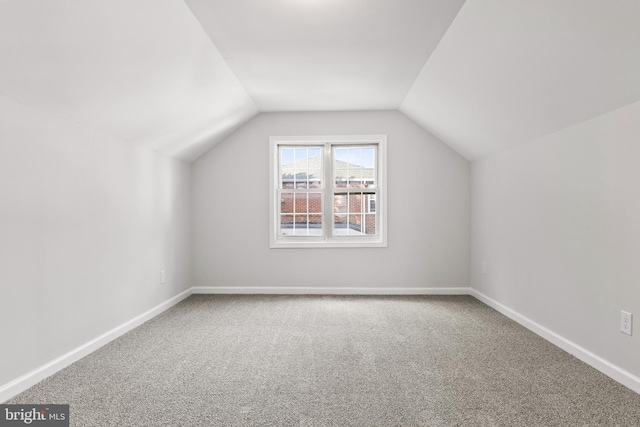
163,277
626,322
484,267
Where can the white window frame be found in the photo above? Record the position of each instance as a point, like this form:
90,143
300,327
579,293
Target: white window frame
328,239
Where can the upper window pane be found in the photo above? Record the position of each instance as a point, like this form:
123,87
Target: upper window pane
354,167
300,167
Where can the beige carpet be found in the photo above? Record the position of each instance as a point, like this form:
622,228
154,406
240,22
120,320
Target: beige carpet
334,361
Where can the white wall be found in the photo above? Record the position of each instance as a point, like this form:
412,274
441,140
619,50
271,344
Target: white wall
428,194
86,224
558,222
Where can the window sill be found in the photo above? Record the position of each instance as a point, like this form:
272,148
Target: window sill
300,244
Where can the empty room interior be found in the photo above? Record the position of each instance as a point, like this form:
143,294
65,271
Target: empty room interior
320,212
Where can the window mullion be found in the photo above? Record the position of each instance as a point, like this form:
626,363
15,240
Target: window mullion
327,186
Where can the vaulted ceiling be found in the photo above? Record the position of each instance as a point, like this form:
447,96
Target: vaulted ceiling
179,75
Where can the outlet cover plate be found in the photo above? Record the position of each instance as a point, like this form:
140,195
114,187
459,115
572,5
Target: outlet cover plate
626,322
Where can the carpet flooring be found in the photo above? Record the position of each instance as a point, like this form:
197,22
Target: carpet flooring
281,360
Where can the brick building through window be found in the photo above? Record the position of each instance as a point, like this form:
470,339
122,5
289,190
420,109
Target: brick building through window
301,213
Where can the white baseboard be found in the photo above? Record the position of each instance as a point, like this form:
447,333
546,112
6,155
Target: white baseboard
615,372
327,290
7,391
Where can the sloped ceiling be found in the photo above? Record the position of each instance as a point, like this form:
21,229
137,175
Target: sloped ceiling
178,76
141,70
509,71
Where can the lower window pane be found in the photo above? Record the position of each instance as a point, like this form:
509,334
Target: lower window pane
300,203
315,221
301,214
347,225
340,203
353,215
355,224
306,225
314,225
300,222
286,203
355,203
340,224
370,224
286,225
315,202
301,225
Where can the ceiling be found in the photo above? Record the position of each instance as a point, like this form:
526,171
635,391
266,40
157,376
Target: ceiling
178,76
310,55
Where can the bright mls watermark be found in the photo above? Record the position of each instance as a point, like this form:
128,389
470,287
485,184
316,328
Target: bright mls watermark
34,415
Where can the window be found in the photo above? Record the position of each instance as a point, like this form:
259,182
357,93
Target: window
328,191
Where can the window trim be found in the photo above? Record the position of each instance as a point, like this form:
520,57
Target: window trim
328,239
